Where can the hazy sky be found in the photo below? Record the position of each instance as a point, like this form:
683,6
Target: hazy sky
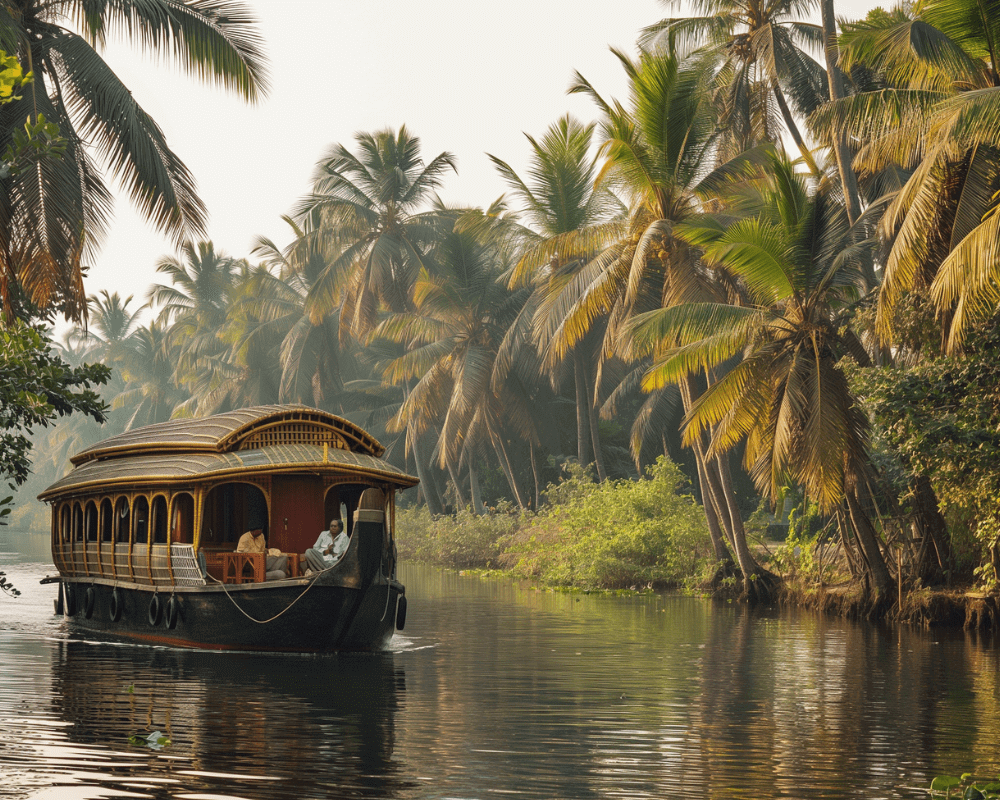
468,77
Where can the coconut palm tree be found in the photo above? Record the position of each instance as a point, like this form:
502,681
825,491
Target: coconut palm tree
151,394
658,152
193,308
451,342
570,219
761,46
787,398
934,111
309,352
55,213
365,211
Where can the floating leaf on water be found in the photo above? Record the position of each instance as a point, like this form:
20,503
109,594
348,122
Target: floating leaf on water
154,741
942,783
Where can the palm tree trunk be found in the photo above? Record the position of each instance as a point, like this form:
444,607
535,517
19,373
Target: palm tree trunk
427,482
793,130
582,399
508,471
708,504
534,473
835,79
474,490
459,499
932,524
595,434
878,572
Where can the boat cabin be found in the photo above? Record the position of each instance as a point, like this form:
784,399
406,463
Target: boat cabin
163,504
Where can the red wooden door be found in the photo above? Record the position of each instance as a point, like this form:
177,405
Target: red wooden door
296,512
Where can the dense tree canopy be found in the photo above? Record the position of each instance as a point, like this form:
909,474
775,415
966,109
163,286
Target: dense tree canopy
662,281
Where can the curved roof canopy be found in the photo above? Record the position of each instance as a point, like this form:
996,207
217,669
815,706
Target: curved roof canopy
171,468
271,439
243,429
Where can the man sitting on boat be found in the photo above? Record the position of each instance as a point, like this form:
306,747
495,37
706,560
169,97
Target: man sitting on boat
329,547
253,542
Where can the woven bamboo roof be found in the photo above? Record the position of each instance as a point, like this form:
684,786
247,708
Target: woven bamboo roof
243,428
170,469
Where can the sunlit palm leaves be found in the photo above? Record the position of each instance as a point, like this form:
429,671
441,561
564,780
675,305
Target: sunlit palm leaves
937,114
364,211
786,398
55,213
761,50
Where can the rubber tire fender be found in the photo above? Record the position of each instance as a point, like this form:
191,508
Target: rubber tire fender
88,602
154,610
69,604
173,612
401,613
115,609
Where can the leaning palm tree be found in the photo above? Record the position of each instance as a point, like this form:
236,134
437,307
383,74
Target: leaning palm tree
788,398
570,219
658,152
54,213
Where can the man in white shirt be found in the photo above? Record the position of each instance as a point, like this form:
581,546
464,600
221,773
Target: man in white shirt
329,547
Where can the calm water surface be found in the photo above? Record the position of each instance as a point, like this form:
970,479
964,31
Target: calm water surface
498,690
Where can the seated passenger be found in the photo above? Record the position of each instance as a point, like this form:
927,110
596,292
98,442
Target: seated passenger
276,563
329,548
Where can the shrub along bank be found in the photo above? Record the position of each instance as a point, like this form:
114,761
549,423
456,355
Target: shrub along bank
610,535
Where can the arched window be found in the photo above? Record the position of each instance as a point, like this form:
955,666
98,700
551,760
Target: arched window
230,510
90,521
140,520
182,519
123,518
107,515
77,522
64,522
159,519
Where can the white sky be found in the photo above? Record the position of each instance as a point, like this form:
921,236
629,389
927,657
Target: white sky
468,77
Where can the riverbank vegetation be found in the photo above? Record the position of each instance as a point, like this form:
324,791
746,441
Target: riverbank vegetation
666,295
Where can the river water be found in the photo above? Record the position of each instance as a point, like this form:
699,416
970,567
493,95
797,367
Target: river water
498,690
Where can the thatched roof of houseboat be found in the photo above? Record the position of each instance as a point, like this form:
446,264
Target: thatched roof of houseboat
242,429
170,468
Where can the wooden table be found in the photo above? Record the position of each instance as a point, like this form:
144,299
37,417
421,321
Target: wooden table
234,567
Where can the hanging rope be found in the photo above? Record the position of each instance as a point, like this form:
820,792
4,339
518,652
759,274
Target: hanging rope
280,613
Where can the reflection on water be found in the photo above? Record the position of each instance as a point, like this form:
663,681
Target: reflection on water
499,689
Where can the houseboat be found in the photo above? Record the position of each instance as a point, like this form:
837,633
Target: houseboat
146,524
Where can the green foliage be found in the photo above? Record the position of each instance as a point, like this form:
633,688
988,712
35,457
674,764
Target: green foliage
12,78
966,787
36,387
941,418
35,141
461,541
613,535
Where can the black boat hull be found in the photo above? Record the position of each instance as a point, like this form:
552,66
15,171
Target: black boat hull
305,615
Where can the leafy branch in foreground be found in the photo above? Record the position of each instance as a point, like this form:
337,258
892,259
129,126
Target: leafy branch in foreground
36,387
